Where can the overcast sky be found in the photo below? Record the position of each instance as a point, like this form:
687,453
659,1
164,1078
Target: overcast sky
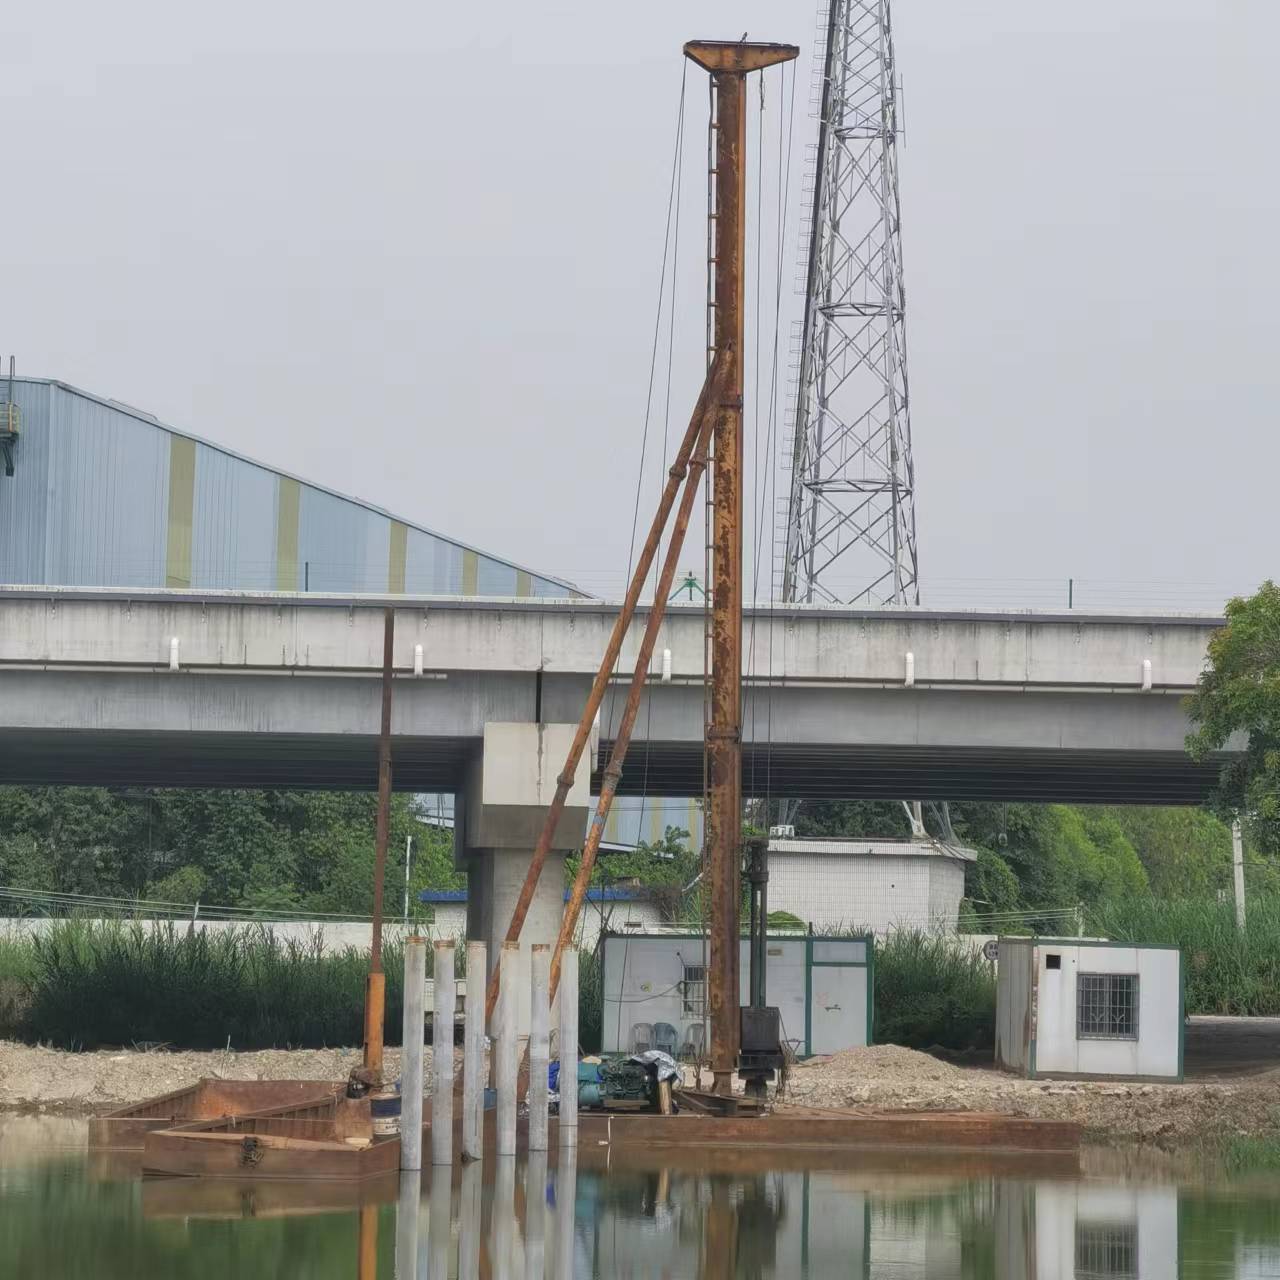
413,251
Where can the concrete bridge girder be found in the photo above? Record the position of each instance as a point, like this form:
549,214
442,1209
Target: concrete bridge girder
282,689
277,631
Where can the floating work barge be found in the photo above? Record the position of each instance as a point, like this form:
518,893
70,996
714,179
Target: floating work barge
271,1129
126,1128
274,1146
328,1137
812,1129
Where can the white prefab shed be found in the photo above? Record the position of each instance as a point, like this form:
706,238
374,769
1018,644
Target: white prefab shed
655,991
1079,1007
871,885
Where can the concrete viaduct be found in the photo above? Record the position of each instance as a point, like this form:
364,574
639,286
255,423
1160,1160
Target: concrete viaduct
170,688
166,688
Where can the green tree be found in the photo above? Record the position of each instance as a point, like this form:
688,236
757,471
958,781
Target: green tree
76,839
1238,695
666,862
268,850
1186,851
186,884
857,819
1060,856
991,885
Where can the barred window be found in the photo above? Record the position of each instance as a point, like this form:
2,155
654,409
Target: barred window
693,991
1106,1251
1107,1006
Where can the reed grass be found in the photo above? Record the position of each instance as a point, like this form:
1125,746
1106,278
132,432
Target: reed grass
1252,1154
17,969
590,1001
121,983
1226,971
931,990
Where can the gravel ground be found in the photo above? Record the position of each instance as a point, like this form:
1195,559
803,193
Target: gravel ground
38,1079
886,1077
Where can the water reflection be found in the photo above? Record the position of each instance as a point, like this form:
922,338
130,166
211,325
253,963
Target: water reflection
686,1215
407,1214
874,1220
1072,1229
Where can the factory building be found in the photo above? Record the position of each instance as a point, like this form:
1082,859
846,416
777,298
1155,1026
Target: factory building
94,493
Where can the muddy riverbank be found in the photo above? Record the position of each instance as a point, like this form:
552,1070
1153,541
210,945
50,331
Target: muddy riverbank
881,1078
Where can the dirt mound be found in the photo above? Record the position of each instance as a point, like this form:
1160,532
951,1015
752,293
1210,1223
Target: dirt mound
877,1063
887,1078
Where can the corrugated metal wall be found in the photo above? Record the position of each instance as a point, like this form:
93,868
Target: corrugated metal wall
106,496
24,498
636,818
234,523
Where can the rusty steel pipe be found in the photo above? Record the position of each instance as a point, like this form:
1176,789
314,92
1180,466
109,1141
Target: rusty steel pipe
375,990
622,742
675,475
729,63
724,733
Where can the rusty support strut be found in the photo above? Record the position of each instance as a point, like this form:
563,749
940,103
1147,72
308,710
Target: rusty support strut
729,65
675,475
618,753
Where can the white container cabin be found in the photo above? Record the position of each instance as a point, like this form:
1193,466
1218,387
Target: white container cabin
1081,1007
655,991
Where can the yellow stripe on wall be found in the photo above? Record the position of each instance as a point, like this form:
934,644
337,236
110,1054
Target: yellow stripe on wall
287,534
524,583
182,494
470,573
398,556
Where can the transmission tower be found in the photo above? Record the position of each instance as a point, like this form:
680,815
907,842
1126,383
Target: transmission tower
850,515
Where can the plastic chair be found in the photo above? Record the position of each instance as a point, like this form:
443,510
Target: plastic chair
641,1037
665,1037
695,1042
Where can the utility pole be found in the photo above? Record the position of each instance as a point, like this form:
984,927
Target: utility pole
1237,871
729,64
408,867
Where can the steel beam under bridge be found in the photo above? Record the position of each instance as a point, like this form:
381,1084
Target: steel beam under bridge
280,689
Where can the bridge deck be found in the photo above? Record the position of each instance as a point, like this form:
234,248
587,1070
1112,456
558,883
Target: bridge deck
282,690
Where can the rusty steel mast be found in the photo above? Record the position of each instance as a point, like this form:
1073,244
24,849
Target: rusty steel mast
729,64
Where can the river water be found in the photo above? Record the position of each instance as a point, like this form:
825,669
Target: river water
677,1215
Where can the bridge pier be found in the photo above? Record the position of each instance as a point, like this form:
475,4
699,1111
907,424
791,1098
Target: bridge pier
497,819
